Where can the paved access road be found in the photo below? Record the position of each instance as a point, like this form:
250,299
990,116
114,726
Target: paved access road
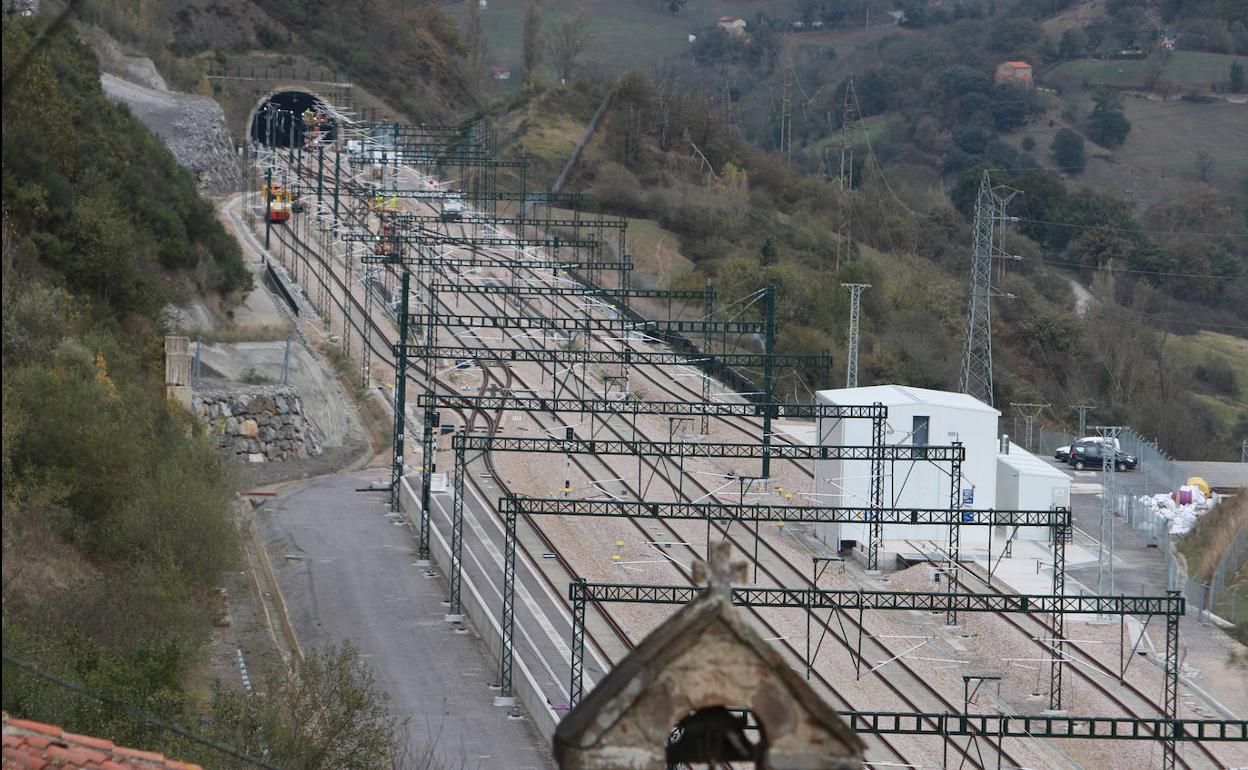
347,571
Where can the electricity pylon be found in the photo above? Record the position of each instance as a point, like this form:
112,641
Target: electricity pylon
786,115
850,122
855,306
976,376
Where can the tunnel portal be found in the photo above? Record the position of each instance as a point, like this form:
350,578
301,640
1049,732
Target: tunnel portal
291,118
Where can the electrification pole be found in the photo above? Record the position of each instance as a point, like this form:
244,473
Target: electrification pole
1105,551
1083,410
769,374
400,396
268,189
855,306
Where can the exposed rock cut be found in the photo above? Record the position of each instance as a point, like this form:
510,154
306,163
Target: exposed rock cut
192,127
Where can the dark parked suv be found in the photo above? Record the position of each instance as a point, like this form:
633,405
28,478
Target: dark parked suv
1092,454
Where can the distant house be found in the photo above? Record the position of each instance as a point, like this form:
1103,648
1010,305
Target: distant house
1014,73
733,25
1169,41
500,73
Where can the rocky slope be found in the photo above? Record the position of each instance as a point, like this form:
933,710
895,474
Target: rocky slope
193,127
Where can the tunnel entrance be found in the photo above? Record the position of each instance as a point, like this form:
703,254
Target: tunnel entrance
292,118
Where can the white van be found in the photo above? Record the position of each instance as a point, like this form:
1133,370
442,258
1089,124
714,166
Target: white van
452,209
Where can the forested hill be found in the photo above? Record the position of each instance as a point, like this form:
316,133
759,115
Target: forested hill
116,510
1138,311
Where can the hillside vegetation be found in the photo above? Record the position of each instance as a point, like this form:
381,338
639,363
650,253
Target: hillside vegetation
117,508
744,220
408,54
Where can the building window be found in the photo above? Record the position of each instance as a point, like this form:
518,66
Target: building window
919,433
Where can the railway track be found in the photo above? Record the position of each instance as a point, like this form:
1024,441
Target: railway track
777,562
1036,628
301,250
914,679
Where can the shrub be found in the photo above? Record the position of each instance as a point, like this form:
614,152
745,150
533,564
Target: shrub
1067,150
353,728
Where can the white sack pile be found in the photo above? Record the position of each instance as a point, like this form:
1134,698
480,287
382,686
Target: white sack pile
1181,509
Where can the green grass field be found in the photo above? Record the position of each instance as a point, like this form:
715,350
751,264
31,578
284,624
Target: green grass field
1184,68
627,34
1207,347
1153,164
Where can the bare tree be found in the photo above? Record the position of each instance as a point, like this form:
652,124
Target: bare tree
1204,165
532,53
567,40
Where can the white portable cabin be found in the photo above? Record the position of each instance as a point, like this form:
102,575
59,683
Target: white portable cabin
1025,482
916,416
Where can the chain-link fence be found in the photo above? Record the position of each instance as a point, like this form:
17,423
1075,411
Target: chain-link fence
1157,471
1141,517
1217,594
1047,441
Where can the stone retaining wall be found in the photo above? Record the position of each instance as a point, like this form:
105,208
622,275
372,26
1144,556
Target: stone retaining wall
258,423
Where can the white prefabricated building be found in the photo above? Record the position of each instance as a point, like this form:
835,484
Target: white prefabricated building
1025,482
919,416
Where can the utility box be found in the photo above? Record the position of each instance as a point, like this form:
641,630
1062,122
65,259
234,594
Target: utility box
1025,482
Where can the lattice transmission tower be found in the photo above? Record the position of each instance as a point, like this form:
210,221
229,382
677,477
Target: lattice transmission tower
786,114
1083,410
990,218
851,123
855,308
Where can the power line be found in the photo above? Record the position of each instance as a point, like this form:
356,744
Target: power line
1111,164
1099,268
142,716
1170,320
1132,229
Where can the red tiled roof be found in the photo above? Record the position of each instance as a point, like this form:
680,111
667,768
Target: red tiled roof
35,746
1019,64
